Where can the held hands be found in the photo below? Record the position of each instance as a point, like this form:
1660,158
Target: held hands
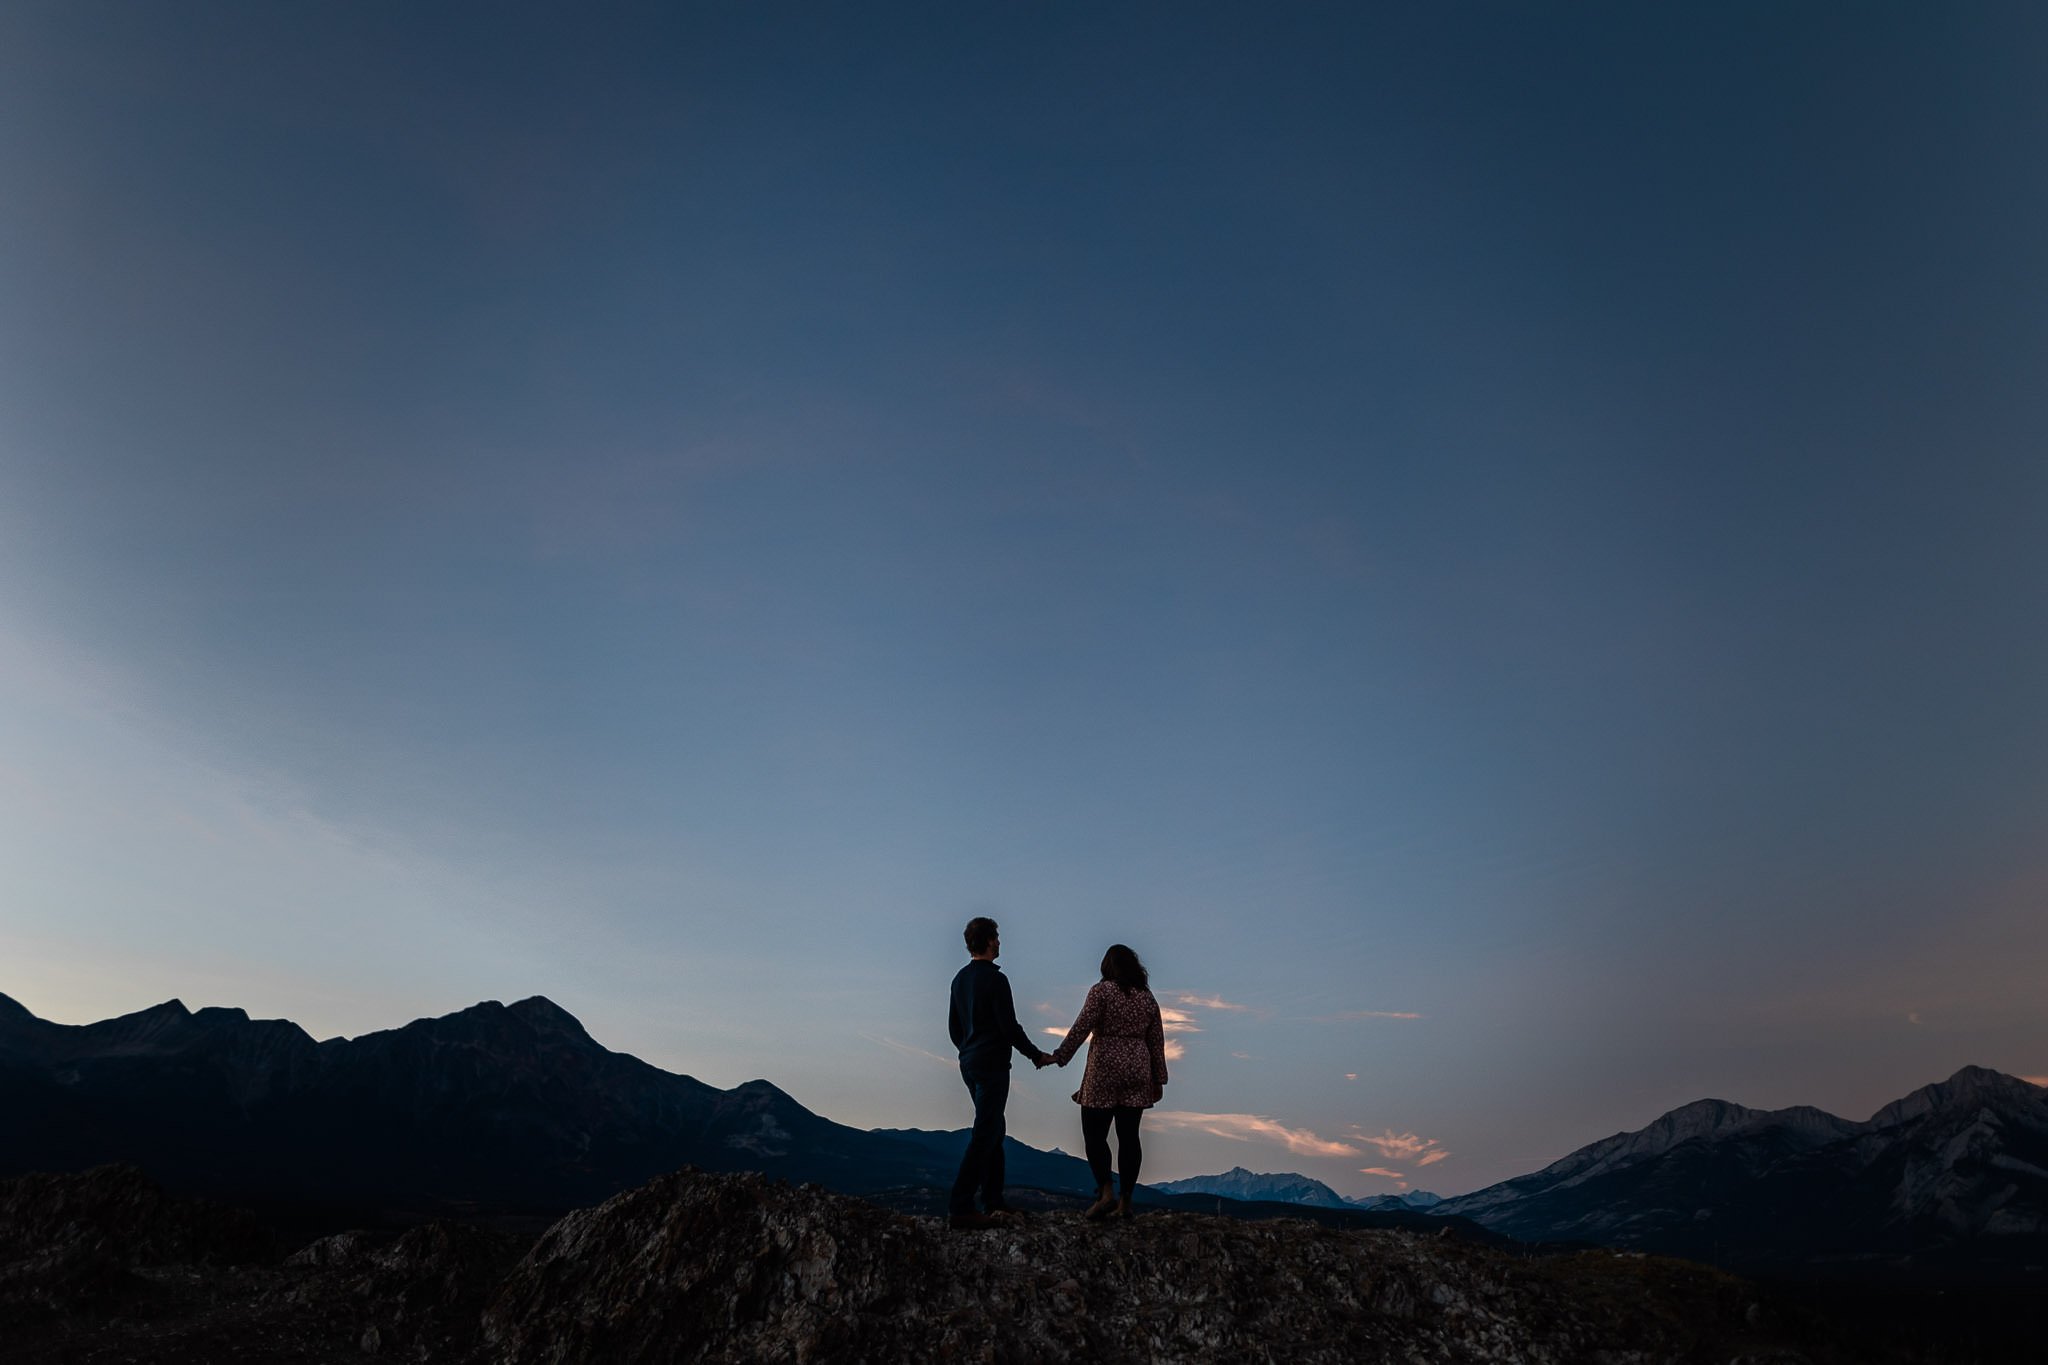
1039,1062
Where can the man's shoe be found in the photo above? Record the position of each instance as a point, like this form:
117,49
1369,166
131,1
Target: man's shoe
968,1221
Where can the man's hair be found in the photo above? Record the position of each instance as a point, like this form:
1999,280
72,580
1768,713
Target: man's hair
981,931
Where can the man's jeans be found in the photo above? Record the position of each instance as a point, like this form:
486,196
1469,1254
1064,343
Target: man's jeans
982,1167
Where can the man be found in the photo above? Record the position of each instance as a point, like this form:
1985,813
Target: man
984,1025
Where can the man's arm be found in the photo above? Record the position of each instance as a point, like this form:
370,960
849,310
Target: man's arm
955,1024
1006,1020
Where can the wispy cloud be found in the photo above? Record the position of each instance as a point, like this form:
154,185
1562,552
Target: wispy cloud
1177,1021
1351,1075
1353,1016
1381,1170
1053,1031
1913,1016
1253,1128
2035,1080
912,1051
1208,1002
1402,1146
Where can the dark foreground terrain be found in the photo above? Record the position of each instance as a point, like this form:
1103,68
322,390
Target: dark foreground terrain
103,1267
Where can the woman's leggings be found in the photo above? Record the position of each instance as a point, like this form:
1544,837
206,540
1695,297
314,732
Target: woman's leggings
1095,1141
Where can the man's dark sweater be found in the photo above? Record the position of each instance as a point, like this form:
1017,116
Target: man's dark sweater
984,1019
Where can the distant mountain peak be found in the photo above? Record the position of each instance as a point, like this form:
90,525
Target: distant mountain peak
1972,1085
1288,1187
13,1010
543,1013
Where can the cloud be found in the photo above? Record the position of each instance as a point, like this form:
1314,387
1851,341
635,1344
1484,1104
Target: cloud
1053,1031
1177,1021
1208,1002
1913,1016
2035,1080
1381,1170
1243,1056
912,1051
1253,1128
1402,1146
1351,1075
1352,1016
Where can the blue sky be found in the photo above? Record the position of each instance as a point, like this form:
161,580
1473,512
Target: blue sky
1501,550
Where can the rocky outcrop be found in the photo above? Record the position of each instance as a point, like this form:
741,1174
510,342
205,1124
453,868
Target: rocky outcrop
724,1269
101,1267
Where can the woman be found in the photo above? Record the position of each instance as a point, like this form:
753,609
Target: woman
1126,1071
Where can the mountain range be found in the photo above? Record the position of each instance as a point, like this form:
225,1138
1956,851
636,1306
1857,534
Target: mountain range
499,1107
515,1108
1289,1187
495,1109
1952,1177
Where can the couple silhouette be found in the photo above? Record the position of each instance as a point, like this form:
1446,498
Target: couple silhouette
1125,1074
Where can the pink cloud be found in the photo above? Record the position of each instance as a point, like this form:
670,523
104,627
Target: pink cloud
1380,1170
1053,1032
2035,1080
1352,1015
1174,1050
1177,1021
1208,1002
1351,1075
1402,1146
1253,1128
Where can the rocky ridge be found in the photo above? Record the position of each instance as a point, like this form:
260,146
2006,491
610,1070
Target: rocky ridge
729,1268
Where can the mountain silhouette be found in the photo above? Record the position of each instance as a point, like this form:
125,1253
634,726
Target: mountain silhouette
516,1109
1281,1188
496,1106
1953,1176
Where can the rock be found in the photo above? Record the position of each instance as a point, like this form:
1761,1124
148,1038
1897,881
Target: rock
342,1248
723,1269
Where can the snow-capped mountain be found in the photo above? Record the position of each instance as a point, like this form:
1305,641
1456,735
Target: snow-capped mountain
1954,1173
1283,1187
1418,1200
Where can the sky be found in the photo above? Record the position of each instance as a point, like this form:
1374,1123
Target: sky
1503,548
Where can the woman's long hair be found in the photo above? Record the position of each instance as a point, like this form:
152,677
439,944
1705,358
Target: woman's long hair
1121,965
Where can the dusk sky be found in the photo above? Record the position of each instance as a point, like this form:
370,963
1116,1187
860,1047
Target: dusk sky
1503,548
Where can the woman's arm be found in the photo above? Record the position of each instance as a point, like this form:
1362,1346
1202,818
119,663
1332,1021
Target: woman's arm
1091,1016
